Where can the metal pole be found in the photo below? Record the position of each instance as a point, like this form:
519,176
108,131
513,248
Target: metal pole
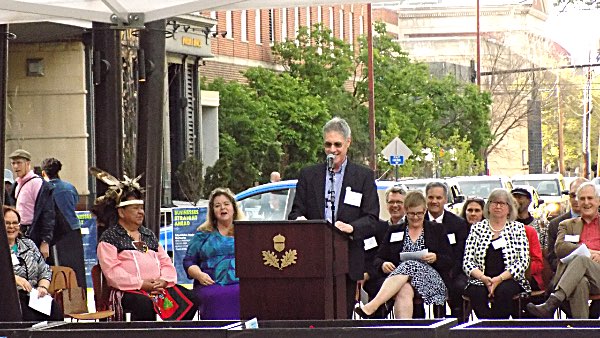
478,49
373,162
10,310
561,149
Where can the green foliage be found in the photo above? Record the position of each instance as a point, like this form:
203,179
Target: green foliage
189,177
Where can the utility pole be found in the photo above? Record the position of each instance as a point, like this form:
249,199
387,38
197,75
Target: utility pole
371,76
585,133
561,144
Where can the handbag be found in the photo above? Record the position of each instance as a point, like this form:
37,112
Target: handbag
73,300
63,277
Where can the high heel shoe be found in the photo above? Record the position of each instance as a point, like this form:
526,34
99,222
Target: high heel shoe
359,311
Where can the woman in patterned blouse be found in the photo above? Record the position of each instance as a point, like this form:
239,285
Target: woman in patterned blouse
425,275
31,271
496,258
210,259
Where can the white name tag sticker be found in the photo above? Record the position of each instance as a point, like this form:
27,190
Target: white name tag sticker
572,238
397,236
499,243
85,231
370,243
352,198
452,238
14,259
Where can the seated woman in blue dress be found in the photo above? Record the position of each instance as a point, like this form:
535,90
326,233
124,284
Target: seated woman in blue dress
425,275
210,259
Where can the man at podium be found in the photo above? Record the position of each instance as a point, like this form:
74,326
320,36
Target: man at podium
342,192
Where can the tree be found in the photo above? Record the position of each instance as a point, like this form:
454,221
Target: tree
190,179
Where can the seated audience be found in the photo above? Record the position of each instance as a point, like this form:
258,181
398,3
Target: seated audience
577,279
30,268
496,258
138,269
425,275
210,259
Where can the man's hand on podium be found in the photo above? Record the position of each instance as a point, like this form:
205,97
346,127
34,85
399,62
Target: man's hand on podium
344,227
300,218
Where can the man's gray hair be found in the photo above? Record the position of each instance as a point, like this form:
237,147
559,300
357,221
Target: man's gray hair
589,184
338,125
436,184
395,189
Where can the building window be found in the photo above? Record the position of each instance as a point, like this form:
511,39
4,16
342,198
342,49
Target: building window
229,25
351,29
271,25
341,24
296,21
257,27
361,27
244,26
213,15
319,14
331,25
308,18
284,24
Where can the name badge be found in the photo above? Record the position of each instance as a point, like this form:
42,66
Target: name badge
370,243
572,238
397,236
452,238
85,231
499,243
14,259
352,198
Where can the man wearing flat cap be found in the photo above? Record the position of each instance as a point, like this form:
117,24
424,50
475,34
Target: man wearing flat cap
33,202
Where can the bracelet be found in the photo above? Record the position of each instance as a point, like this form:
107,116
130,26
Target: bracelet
501,278
41,286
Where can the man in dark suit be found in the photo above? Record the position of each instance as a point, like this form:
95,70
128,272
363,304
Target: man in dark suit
356,205
457,230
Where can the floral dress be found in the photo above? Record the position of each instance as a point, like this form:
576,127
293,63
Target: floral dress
423,277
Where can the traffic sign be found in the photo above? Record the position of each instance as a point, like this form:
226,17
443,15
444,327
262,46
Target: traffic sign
396,160
396,148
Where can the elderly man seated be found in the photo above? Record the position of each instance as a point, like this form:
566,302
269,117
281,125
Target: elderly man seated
576,280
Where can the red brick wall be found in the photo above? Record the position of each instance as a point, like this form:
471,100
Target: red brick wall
242,51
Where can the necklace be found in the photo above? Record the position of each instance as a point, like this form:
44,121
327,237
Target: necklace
494,230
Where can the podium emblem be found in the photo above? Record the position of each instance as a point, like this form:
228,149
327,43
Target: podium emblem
271,258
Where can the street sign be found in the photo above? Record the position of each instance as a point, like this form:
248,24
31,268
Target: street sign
396,148
396,160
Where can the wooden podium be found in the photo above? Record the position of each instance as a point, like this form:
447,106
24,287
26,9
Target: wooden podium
291,270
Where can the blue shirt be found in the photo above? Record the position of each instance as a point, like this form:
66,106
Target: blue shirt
338,178
214,254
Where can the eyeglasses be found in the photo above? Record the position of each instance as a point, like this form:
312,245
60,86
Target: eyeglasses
335,144
471,210
498,203
11,223
140,246
416,214
395,202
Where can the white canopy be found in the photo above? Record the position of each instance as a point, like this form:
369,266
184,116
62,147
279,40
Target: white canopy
132,12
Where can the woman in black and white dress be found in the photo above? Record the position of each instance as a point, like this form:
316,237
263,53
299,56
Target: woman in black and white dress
424,276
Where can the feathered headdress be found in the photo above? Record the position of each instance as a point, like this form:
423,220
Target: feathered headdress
116,189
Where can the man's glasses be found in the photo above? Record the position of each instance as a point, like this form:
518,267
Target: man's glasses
395,203
11,223
140,246
335,144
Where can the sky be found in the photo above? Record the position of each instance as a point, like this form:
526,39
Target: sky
577,31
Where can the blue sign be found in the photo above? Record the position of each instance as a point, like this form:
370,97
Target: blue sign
89,237
185,223
396,160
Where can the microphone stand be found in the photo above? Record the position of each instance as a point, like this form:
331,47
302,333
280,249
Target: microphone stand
332,194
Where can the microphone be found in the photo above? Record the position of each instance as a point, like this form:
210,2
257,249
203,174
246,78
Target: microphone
330,159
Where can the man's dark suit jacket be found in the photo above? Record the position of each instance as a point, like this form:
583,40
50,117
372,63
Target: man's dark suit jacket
436,241
459,227
310,203
552,233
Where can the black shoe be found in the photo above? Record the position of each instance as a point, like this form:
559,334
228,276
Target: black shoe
359,311
545,310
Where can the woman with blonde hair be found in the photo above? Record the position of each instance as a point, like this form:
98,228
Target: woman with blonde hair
496,258
210,259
